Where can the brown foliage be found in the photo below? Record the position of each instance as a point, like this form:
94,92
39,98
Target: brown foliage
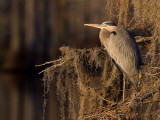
89,83
84,79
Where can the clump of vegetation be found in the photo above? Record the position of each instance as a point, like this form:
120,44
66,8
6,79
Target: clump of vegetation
89,85
87,80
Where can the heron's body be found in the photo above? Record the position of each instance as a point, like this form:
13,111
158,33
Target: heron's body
122,48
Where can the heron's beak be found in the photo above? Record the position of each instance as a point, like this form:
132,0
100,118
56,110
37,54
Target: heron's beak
94,25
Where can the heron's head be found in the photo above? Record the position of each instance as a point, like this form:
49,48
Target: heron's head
105,25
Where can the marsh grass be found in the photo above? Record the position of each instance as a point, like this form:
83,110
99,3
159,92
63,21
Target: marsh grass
89,85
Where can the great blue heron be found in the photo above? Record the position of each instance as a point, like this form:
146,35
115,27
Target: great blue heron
121,46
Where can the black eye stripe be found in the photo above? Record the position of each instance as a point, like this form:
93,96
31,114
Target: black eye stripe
109,24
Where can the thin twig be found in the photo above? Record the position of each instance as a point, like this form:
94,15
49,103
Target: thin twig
50,62
53,66
153,74
150,101
106,100
142,39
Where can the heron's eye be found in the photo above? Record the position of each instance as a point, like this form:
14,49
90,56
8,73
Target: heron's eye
114,33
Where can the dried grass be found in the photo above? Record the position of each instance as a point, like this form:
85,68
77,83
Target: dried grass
142,19
82,81
89,85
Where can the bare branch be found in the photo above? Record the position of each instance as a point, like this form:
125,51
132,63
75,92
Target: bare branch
143,39
50,62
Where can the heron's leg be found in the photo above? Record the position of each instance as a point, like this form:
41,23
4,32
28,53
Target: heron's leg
124,86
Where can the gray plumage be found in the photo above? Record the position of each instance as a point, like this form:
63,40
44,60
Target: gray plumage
121,46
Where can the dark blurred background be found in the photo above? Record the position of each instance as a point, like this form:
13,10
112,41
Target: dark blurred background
31,32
